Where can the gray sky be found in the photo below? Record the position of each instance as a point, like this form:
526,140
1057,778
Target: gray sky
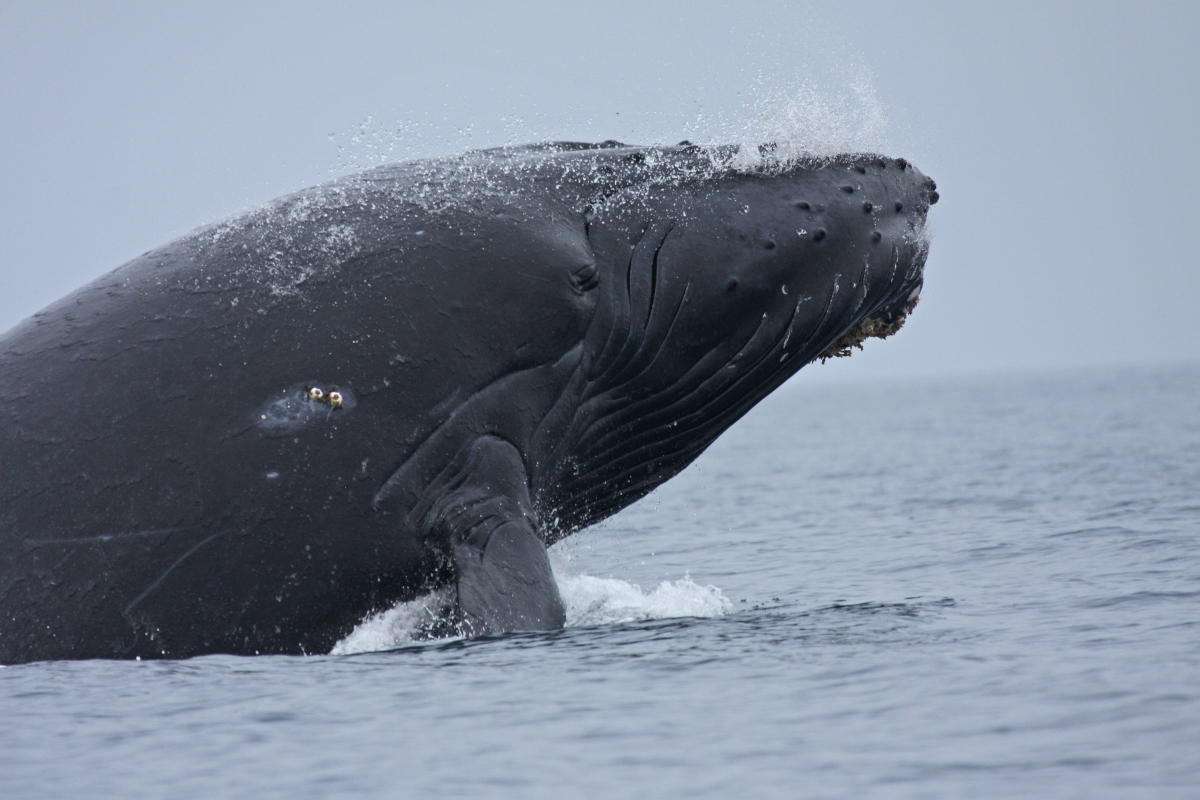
1062,135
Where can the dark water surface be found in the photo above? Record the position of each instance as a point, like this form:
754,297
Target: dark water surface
964,588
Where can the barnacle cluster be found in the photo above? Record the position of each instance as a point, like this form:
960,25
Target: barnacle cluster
867,329
333,399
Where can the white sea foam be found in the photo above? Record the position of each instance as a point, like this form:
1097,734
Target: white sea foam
608,601
401,624
589,601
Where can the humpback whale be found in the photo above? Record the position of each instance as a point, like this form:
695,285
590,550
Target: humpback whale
415,379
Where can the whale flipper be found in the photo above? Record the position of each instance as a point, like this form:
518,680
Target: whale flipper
505,582
480,506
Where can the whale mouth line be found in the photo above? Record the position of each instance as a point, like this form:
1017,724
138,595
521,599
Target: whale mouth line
869,328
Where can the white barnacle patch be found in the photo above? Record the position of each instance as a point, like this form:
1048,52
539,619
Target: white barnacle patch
867,329
302,405
333,398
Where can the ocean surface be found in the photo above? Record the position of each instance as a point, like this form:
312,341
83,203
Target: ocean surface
956,588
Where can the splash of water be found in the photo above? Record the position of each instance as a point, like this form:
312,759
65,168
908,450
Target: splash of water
589,602
402,624
610,601
819,113
808,119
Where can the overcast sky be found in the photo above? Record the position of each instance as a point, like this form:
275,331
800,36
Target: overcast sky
1062,135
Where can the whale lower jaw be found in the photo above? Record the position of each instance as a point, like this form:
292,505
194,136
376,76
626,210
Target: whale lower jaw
870,328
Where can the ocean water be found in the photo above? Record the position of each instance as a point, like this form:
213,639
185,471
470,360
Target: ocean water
962,588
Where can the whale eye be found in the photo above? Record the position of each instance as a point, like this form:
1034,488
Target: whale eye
768,245
803,206
586,277
818,234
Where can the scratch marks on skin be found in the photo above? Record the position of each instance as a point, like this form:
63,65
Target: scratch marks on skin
864,281
791,324
733,362
895,264
654,270
105,537
75,544
158,581
828,305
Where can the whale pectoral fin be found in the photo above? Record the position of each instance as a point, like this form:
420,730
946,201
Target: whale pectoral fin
505,583
478,509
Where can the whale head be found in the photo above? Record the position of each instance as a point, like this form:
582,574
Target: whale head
712,290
